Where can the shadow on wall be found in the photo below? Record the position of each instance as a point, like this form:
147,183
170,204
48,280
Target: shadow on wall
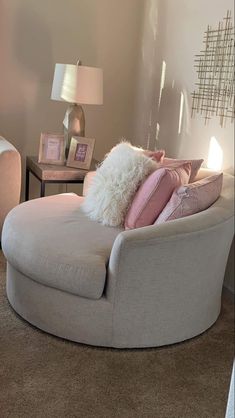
149,73
32,52
33,56
28,58
12,114
185,137
35,47
176,126
32,45
174,120
28,63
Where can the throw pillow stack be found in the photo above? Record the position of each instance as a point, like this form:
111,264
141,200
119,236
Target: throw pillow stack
154,193
116,182
135,188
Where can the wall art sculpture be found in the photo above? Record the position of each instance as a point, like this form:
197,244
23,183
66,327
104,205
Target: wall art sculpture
214,91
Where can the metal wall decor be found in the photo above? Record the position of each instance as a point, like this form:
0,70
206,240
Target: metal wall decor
214,94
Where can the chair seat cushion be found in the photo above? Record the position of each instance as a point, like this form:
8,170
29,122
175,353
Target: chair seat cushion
53,242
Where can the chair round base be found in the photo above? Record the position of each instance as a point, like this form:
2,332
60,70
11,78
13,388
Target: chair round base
71,317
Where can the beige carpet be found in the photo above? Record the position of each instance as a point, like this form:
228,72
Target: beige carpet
44,376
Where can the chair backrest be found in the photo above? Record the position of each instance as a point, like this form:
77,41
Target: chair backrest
166,280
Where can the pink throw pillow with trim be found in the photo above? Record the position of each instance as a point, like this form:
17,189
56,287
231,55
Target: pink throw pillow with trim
153,195
195,165
193,198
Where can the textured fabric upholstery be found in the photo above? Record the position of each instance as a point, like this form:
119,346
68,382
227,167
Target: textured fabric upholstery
167,280
115,184
60,313
163,282
153,195
53,241
195,165
193,198
10,179
203,173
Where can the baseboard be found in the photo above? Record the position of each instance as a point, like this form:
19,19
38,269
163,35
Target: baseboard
229,293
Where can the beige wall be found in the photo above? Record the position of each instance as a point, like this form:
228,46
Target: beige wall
172,32
37,34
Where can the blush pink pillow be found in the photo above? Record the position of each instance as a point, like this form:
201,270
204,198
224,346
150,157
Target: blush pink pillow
193,198
195,165
154,194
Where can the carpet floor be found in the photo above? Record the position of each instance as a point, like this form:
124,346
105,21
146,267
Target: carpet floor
44,376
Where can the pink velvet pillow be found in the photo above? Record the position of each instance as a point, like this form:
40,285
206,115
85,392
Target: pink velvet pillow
195,165
193,198
154,194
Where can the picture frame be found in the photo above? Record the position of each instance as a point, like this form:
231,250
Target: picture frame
52,149
80,152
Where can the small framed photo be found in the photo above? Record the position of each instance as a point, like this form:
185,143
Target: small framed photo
52,149
80,152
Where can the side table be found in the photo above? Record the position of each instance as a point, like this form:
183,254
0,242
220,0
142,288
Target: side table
48,173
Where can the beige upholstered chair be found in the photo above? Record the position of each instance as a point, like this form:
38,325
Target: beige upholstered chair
80,280
10,179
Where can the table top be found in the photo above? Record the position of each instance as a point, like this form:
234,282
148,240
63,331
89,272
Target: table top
50,172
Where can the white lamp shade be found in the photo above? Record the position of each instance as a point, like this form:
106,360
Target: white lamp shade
77,84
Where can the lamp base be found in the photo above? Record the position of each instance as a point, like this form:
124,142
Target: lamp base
74,124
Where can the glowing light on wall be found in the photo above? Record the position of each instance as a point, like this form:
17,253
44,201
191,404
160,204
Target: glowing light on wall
215,156
181,112
162,83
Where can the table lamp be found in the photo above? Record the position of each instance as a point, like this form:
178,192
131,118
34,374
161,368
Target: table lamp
76,84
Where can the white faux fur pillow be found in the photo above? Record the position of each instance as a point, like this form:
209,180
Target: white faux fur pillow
115,183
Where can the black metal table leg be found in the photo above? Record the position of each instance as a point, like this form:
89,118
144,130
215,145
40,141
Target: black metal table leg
42,191
27,185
